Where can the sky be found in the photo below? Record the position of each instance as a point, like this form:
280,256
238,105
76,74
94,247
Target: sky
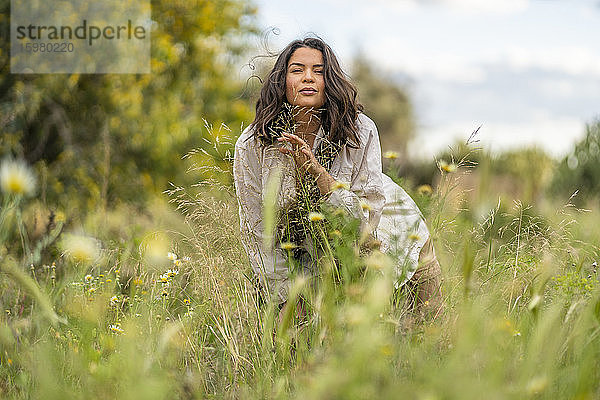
527,71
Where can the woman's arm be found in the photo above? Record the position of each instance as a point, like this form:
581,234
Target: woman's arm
268,264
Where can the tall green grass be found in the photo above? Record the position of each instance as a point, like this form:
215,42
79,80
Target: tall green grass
120,319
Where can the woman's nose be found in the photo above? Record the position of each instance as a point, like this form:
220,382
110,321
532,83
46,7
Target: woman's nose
308,76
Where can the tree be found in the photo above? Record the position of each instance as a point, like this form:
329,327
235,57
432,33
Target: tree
387,103
108,138
579,171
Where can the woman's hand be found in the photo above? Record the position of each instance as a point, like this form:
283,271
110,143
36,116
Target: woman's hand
305,159
302,153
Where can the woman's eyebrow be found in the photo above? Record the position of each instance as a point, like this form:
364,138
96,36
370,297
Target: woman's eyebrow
302,65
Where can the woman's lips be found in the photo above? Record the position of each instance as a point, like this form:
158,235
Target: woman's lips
308,91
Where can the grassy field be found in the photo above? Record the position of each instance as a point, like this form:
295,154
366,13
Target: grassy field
158,304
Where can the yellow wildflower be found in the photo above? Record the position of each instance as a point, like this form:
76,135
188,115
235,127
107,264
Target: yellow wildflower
315,217
16,178
154,247
365,206
339,212
390,155
172,272
288,246
414,237
340,185
537,385
444,166
424,190
336,233
386,350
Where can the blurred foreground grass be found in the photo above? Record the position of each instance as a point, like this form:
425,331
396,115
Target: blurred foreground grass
159,304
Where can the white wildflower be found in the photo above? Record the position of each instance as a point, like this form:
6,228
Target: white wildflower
16,178
116,328
80,248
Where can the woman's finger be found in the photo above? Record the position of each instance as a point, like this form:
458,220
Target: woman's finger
285,150
294,138
306,152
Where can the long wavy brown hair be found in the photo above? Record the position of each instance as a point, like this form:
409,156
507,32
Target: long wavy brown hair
341,107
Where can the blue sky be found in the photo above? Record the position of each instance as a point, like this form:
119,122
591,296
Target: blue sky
528,71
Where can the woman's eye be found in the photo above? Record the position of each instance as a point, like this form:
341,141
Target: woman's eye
320,71
296,70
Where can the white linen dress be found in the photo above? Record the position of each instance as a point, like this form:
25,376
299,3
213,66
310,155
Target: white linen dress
391,214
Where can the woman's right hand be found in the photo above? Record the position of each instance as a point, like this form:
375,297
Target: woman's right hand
301,152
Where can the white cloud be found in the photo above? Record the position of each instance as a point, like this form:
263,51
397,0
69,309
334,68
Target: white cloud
558,87
397,55
573,60
486,6
441,66
448,66
460,6
401,6
556,135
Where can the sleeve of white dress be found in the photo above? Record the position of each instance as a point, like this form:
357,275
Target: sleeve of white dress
268,264
365,197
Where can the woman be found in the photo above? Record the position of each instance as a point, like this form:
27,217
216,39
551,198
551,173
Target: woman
310,136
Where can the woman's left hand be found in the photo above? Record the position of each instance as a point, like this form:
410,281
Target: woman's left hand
302,153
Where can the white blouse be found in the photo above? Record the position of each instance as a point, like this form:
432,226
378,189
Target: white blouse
382,206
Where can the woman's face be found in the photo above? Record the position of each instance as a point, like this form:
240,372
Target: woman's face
304,82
